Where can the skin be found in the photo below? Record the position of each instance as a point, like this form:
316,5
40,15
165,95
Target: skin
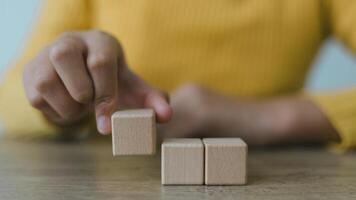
85,73
199,112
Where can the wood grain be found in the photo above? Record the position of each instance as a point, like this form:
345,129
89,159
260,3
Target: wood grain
134,132
225,161
182,161
86,170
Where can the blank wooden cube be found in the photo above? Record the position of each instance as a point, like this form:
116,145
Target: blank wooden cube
134,132
225,161
182,161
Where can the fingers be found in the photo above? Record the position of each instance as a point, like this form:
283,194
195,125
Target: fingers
54,92
87,63
82,69
67,57
135,92
102,62
37,101
159,103
46,92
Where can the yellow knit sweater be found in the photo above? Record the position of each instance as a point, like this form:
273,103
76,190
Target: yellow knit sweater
254,48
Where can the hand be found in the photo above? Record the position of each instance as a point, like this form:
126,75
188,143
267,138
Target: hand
191,112
199,112
84,72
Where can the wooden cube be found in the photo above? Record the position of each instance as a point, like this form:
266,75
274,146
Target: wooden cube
182,161
225,161
134,132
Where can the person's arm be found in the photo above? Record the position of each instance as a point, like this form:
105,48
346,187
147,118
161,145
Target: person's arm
278,120
317,118
340,106
292,119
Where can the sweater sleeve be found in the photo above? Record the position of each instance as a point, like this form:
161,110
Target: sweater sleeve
341,21
340,106
17,117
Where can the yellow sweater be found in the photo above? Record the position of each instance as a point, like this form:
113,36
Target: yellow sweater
254,48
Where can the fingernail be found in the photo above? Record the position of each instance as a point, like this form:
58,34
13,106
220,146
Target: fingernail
103,124
164,110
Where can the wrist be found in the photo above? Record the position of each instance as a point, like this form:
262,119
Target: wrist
297,119
258,122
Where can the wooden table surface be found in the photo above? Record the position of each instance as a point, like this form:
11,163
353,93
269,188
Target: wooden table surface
87,170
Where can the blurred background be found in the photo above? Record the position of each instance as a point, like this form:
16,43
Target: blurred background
334,67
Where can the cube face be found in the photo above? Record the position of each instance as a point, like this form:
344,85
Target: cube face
225,161
134,132
182,162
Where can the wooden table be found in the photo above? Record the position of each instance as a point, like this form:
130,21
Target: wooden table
87,170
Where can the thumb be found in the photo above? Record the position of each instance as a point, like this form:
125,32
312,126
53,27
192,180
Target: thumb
159,102
135,92
103,111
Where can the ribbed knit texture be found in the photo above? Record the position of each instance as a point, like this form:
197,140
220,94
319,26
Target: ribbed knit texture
253,48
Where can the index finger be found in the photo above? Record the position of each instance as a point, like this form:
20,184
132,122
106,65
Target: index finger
102,62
